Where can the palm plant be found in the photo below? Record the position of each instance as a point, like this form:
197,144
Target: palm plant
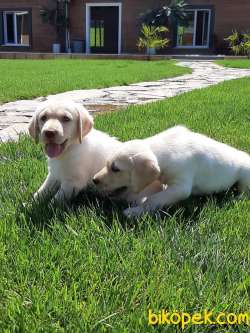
235,41
152,38
167,14
239,43
246,45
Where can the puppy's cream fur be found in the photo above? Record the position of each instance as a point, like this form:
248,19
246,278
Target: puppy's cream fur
76,150
187,162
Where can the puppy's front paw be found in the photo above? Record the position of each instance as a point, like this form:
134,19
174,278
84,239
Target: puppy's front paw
133,212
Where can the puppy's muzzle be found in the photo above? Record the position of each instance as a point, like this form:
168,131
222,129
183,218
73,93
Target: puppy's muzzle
50,134
118,192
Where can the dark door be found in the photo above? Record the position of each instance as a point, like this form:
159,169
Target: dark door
104,29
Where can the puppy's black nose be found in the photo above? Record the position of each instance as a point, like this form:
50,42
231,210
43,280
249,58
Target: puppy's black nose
50,134
96,181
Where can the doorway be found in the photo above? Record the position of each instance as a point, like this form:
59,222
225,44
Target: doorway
103,28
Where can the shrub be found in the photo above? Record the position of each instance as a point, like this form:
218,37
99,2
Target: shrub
152,37
239,43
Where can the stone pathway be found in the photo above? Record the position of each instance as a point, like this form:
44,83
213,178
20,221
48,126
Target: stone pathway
15,116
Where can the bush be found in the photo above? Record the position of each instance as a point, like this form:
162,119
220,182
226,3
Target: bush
239,43
152,37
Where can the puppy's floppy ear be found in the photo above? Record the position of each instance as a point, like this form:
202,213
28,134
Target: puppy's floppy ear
85,123
145,170
34,128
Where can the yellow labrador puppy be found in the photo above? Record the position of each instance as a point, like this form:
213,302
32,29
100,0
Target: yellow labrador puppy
187,162
75,151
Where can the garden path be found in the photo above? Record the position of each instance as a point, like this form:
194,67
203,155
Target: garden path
15,116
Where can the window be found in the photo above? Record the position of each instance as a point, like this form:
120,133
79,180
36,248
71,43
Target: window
16,28
195,32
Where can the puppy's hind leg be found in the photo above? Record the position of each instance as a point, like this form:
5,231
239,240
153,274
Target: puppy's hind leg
244,181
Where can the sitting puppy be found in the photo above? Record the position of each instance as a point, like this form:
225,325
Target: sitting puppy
75,151
188,162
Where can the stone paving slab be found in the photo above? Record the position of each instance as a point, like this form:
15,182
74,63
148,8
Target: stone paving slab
15,116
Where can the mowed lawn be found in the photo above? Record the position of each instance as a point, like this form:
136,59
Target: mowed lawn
88,269
25,79
236,63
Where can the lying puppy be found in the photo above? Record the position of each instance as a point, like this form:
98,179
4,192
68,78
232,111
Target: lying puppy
188,162
75,151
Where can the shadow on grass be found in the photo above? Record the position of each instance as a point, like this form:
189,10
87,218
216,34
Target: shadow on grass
43,214
189,211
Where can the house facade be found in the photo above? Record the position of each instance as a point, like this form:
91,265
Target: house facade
112,26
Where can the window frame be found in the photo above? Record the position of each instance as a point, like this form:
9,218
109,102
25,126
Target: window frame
5,39
193,46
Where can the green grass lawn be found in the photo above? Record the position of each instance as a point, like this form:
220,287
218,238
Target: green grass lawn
25,79
236,63
88,269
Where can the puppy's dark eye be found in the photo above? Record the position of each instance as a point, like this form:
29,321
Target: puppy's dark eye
43,118
114,168
65,119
